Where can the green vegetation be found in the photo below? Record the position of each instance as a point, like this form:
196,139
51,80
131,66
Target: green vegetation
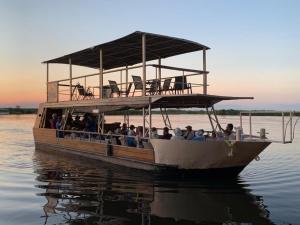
222,112
18,110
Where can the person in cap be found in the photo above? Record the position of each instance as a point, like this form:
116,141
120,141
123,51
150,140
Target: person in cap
189,134
199,135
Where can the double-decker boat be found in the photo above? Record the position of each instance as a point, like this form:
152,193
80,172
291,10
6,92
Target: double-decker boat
127,80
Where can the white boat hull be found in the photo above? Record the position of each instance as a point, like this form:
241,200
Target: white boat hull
185,154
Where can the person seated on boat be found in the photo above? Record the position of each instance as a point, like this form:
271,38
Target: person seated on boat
53,121
130,139
199,135
131,131
92,125
229,129
154,134
124,129
166,134
139,137
76,125
228,132
69,120
117,132
58,126
189,134
211,137
178,134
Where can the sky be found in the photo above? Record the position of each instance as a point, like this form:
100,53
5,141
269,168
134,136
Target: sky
255,45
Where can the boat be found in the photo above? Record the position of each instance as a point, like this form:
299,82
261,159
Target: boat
151,90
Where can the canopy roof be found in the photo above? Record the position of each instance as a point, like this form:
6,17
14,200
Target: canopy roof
127,51
169,101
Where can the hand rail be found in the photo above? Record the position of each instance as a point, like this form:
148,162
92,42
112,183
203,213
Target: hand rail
284,124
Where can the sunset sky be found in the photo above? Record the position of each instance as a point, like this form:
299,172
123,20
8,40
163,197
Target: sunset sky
255,45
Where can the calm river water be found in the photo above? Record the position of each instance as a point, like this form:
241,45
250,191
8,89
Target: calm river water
40,188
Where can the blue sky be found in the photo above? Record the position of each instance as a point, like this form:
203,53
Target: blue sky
255,45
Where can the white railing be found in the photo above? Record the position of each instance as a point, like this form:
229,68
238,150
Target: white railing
288,122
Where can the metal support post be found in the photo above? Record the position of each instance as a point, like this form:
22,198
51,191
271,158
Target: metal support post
70,64
144,122
47,80
150,118
159,73
210,120
204,74
283,135
100,74
241,120
126,86
144,63
291,126
250,125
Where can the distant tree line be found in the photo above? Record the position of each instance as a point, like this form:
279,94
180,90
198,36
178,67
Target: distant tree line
19,110
221,112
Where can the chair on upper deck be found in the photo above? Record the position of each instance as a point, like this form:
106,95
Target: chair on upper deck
81,93
181,84
167,85
138,84
115,89
154,87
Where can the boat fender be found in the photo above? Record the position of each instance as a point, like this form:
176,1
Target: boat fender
257,158
231,145
109,149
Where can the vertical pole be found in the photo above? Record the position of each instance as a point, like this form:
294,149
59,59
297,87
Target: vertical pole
100,74
204,74
283,138
241,120
121,80
182,85
47,80
291,126
144,63
159,73
150,118
84,82
210,120
102,124
250,125
70,64
144,122
126,80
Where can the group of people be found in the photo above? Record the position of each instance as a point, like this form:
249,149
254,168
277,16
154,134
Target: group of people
198,135
136,136
88,123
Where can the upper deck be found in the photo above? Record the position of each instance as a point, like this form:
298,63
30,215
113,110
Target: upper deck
127,67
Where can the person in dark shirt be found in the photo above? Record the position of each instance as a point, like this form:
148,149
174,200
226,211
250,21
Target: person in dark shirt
166,134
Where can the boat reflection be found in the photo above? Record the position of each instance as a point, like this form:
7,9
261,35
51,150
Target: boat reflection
86,192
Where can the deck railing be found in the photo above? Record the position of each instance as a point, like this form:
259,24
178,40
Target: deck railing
287,124
161,83
109,139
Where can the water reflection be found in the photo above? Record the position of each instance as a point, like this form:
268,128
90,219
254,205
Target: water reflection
85,192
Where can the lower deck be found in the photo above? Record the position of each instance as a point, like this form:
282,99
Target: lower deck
118,154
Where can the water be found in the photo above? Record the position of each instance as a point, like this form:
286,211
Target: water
43,188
